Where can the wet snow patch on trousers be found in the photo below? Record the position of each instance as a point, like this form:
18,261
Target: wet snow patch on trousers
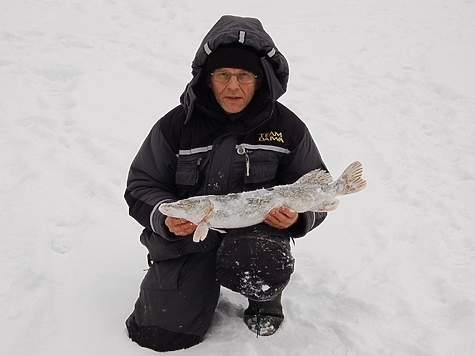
255,262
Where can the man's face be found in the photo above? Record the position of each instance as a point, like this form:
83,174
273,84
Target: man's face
233,96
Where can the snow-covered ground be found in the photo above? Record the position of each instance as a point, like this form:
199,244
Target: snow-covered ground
389,83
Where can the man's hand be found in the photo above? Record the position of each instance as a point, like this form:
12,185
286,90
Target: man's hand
180,227
281,218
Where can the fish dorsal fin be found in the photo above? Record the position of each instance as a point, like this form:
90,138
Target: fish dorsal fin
316,176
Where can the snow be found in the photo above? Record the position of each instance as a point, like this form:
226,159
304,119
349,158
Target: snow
390,272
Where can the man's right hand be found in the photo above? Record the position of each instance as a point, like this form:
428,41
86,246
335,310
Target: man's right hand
180,227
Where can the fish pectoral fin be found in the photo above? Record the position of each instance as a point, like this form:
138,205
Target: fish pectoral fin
327,205
201,232
218,230
203,226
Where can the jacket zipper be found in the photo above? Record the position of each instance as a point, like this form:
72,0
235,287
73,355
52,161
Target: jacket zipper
242,151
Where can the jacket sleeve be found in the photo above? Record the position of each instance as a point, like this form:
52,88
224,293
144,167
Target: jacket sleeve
151,179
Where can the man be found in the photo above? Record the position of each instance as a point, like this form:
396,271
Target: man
228,135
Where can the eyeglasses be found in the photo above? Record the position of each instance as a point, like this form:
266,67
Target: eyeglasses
242,77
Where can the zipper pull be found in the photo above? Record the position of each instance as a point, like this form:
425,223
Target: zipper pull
198,164
248,164
242,151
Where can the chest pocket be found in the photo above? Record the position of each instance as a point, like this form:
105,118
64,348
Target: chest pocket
187,173
260,166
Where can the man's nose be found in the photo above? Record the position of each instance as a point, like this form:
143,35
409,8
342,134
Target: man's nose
233,82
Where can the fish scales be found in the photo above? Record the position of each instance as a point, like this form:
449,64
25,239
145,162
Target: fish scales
314,191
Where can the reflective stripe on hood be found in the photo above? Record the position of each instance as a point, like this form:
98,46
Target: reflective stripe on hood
250,32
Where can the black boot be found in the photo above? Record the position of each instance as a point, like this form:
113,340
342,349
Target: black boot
264,318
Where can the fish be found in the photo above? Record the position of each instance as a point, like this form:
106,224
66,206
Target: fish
315,191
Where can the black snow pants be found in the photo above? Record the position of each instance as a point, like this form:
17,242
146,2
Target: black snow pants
178,296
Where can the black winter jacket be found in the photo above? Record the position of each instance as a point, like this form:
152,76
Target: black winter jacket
197,149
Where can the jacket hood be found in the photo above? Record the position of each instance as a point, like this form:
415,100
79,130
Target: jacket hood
247,31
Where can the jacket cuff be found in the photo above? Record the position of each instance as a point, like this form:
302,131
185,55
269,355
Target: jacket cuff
157,223
306,222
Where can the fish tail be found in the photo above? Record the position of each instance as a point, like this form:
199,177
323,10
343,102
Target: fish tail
351,180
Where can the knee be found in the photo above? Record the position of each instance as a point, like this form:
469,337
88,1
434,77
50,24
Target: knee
159,339
255,263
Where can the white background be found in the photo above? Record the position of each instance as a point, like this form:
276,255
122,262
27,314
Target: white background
389,83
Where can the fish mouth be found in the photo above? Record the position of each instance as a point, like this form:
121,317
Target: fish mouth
166,210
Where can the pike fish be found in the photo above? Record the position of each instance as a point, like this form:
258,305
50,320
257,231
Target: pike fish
315,191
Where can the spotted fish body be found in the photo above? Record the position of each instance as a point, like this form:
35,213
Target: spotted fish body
314,191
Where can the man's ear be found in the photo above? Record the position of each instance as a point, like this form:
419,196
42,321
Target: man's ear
208,81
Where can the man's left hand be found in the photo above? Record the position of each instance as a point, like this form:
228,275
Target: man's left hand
281,218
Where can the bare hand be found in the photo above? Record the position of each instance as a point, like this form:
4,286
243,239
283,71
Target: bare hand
180,227
281,218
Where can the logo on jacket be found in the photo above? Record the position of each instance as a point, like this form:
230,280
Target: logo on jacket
272,136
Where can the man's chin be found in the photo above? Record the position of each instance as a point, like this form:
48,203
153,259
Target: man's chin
232,110
233,106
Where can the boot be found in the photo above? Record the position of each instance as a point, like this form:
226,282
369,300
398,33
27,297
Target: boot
264,318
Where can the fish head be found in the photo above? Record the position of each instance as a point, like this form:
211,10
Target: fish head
193,209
